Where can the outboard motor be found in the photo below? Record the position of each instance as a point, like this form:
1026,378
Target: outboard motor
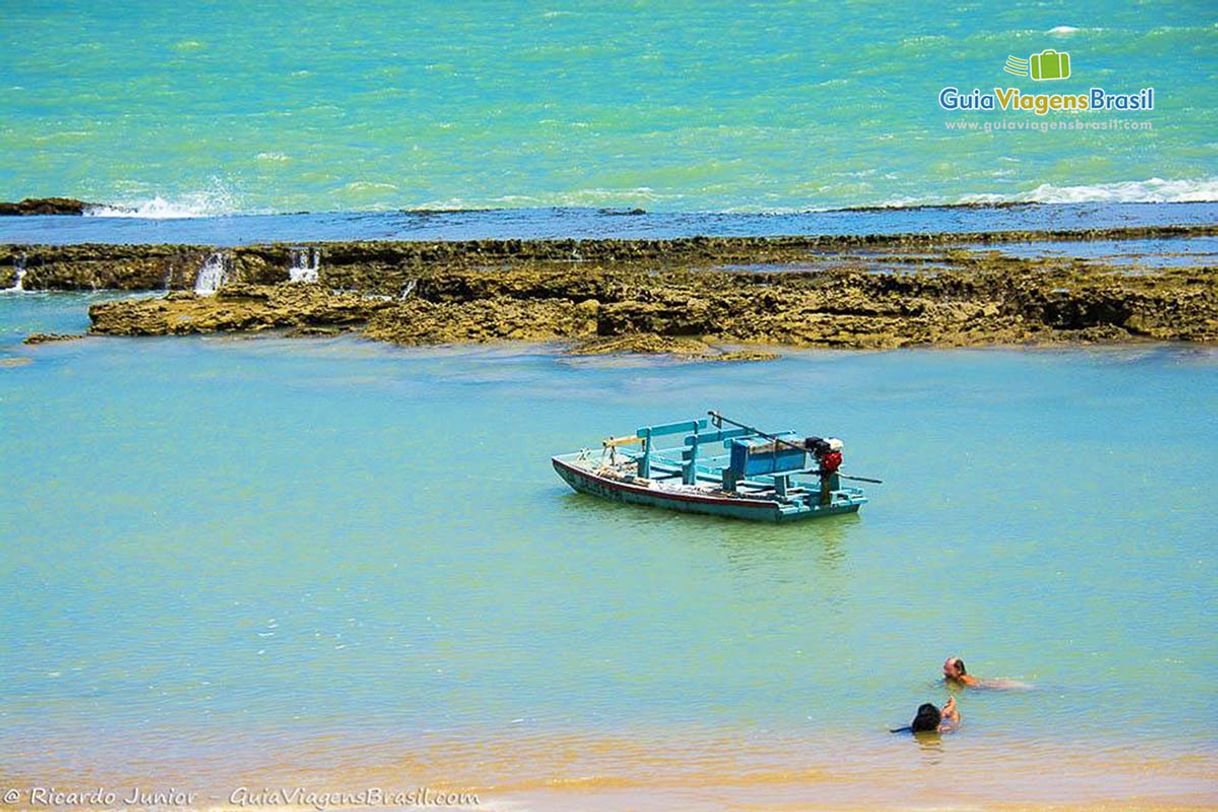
816,445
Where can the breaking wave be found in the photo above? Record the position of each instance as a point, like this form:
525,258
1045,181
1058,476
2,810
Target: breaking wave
219,203
216,201
1155,190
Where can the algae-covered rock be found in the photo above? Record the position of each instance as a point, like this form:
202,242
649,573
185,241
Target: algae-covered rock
608,270
97,267
681,347
47,338
645,343
239,307
747,355
418,321
44,205
631,296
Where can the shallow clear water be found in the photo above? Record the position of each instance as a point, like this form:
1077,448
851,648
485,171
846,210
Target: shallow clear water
289,106
1153,253
268,550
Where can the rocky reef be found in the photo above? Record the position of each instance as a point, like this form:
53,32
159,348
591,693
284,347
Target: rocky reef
691,298
234,307
712,298
51,338
388,267
97,267
44,205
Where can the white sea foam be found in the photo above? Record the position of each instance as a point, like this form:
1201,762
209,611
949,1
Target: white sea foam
215,201
158,208
369,186
903,202
1063,30
1155,190
987,199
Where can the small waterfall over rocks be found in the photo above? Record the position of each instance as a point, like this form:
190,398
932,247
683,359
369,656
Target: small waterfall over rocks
305,263
408,289
212,275
19,267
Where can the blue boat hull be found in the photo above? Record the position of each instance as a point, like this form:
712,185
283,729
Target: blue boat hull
763,510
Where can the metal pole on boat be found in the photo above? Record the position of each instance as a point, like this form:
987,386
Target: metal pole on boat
720,420
755,430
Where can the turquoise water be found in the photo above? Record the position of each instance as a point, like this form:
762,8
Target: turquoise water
212,545
678,106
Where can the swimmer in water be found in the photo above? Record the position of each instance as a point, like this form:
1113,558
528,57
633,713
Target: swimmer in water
954,672
955,675
929,719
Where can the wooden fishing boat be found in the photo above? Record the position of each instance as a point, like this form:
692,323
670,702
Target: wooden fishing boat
719,467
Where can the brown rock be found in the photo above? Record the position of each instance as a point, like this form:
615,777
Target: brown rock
661,296
47,338
44,205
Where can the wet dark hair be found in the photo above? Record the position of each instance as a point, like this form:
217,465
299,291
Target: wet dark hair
960,665
927,719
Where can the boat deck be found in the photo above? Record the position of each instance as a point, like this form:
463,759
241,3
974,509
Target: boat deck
756,500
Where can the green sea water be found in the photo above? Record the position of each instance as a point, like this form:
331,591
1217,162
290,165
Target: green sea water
221,550
277,106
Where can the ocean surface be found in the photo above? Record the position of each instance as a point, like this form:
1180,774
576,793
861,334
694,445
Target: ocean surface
582,223
232,561
237,107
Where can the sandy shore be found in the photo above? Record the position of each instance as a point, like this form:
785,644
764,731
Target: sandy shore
689,770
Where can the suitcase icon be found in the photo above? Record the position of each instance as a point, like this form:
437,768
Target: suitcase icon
1050,64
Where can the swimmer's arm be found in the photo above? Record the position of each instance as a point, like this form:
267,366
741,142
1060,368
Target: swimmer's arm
951,722
1003,684
963,681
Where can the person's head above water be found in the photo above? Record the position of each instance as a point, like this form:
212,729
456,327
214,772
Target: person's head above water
957,676
953,668
927,719
930,719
